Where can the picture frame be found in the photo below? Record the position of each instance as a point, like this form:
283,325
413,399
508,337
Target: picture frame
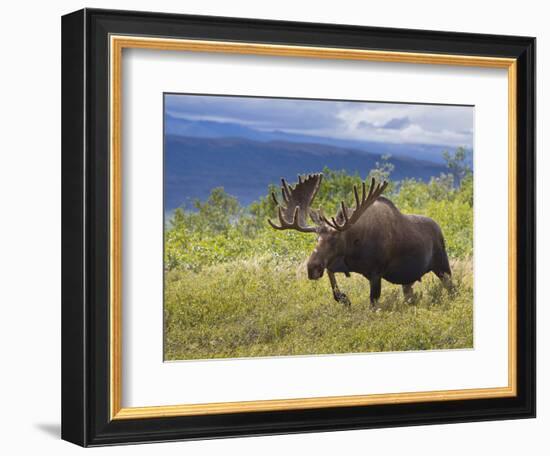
92,366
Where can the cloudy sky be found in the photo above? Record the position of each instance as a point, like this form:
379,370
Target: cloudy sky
366,121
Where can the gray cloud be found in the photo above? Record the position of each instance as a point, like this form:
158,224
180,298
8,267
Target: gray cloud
269,113
397,124
369,121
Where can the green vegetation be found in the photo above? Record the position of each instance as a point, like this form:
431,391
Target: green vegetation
234,287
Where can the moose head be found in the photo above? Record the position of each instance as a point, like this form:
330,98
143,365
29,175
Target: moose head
332,233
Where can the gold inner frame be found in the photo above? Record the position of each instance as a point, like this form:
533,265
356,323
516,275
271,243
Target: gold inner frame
117,44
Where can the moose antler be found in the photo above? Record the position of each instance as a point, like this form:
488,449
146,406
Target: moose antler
361,205
298,200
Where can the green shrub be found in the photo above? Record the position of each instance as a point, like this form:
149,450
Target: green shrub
220,230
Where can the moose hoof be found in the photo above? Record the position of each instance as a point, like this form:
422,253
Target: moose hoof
342,298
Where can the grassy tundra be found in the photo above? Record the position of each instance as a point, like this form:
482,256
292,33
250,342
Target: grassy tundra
236,288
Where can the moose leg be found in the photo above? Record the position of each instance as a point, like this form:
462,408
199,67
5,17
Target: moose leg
338,295
442,270
446,280
408,292
375,290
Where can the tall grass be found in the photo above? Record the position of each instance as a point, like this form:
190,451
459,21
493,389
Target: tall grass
266,307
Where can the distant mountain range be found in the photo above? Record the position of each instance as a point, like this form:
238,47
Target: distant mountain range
209,129
245,165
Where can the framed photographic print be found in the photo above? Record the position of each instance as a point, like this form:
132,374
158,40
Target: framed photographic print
278,227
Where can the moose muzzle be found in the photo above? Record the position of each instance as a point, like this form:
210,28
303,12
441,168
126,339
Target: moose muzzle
315,271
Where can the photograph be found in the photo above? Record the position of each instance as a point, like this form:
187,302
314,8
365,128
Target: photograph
296,227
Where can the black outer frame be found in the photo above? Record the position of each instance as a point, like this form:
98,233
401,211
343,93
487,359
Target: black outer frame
85,227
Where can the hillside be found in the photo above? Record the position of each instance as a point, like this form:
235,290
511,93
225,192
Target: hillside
245,167
176,126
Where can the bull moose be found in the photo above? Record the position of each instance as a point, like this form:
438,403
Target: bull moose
375,240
